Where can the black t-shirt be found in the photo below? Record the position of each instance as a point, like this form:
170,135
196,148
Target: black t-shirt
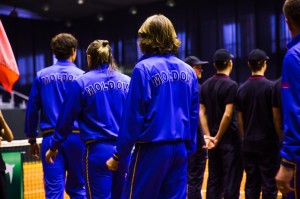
200,138
276,94
216,93
254,100
2,163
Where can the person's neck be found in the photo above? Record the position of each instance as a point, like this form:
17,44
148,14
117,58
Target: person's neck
260,73
70,59
295,32
225,72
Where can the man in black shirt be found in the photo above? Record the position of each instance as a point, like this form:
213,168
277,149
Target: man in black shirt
260,142
219,126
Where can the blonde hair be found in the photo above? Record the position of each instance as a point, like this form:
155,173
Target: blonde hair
100,52
158,36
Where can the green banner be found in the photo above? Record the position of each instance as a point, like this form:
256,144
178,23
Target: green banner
14,174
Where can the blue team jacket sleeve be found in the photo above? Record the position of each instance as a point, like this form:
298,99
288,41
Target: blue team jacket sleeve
134,112
32,111
194,118
67,115
291,105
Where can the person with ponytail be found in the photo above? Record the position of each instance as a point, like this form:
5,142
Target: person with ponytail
96,101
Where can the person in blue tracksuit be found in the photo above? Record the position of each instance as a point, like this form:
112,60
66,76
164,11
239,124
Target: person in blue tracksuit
96,99
47,94
160,117
197,161
288,176
260,140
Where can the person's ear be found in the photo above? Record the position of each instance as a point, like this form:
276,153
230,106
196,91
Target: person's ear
88,59
74,50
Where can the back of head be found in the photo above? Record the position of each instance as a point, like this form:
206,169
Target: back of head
158,36
63,45
222,58
100,53
256,59
291,9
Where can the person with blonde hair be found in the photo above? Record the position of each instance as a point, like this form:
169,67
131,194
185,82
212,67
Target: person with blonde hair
96,100
160,117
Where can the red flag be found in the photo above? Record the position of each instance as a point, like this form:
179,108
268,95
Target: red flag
9,72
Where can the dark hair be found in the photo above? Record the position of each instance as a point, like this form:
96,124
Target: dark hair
291,9
63,44
100,52
256,65
158,36
221,65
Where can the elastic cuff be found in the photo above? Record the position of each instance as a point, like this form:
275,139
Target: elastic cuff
287,163
32,141
115,157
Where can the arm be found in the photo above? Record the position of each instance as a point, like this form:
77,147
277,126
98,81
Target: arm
5,132
205,128
225,122
203,120
32,119
240,123
71,107
277,120
194,119
32,111
134,113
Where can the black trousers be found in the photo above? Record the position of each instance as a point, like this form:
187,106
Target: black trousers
261,170
3,189
225,172
196,168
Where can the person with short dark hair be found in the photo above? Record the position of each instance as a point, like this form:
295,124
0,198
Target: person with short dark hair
96,100
160,118
6,134
288,176
49,89
219,125
197,161
260,142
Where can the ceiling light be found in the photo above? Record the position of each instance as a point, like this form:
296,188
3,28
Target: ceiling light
80,2
170,3
100,17
68,23
46,7
133,10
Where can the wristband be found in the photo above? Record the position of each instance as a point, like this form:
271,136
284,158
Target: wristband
32,141
116,158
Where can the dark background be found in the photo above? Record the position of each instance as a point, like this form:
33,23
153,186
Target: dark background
202,26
